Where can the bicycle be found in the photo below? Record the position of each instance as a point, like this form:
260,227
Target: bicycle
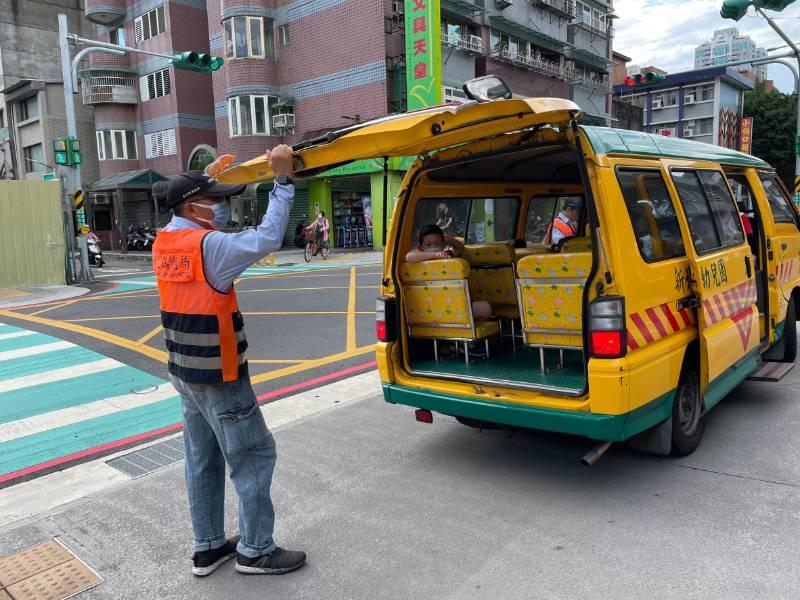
313,248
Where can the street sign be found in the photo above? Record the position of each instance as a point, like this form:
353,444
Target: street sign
49,177
423,53
746,136
79,199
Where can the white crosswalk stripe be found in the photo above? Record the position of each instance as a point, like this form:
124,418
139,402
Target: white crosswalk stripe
98,366
34,350
16,334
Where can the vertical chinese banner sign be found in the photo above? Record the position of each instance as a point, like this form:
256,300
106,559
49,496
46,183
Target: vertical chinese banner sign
746,135
423,53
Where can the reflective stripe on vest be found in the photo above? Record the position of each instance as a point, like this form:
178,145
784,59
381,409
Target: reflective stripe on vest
203,328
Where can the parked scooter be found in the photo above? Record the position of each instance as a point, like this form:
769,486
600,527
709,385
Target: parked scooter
300,234
95,253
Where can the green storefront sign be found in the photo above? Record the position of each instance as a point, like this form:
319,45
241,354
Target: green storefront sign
423,53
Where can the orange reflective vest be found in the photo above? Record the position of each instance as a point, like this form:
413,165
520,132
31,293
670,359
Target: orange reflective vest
204,329
564,228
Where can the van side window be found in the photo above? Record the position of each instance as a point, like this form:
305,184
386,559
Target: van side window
475,221
655,223
713,218
782,209
541,212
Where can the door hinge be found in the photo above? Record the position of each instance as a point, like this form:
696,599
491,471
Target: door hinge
692,302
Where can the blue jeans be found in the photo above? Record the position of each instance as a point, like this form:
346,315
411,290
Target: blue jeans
223,424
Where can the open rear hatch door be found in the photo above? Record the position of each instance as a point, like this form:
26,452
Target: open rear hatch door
412,134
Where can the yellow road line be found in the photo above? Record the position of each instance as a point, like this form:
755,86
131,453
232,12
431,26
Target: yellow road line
312,364
246,314
351,313
339,312
44,310
97,334
149,335
89,319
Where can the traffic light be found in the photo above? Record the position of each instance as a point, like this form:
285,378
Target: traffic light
648,78
67,151
652,77
193,61
736,9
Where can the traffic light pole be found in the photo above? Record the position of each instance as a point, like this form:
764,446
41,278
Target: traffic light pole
796,53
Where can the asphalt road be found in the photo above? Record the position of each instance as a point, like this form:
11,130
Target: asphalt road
389,508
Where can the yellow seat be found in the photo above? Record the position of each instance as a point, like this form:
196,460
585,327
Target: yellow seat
576,244
550,291
521,253
438,304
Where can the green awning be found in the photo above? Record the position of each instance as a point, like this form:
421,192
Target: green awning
590,58
461,7
526,33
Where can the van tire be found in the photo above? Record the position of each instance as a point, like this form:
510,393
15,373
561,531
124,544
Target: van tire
688,424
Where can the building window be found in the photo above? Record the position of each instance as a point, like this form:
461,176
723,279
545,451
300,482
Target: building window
155,85
29,108
248,37
250,115
150,24
201,157
34,157
117,36
707,92
283,35
453,94
116,144
160,143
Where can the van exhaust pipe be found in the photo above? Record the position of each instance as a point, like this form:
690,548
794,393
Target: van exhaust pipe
595,453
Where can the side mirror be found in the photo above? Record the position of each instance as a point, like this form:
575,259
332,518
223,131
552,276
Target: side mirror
487,88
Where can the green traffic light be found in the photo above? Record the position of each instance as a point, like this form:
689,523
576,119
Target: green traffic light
776,5
193,61
735,9
216,63
651,77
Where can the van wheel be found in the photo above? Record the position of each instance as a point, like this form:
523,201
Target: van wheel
688,424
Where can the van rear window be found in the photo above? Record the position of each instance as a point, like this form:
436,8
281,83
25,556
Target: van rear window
652,214
475,220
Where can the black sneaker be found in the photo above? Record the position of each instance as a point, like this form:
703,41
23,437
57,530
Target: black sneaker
206,562
279,562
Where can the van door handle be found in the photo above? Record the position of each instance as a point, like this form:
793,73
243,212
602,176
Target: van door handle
748,267
784,245
693,302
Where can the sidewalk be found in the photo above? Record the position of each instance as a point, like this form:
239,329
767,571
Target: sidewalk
16,297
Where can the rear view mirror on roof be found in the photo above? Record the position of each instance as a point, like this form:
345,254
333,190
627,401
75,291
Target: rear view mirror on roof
487,88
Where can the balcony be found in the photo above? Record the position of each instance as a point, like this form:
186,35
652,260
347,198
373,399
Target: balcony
600,85
535,63
592,24
109,13
468,43
102,87
564,8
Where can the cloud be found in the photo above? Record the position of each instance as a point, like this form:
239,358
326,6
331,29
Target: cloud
664,33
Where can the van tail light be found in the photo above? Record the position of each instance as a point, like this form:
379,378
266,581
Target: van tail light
607,332
386,319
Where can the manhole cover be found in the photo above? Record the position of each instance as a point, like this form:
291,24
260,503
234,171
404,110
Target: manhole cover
147,389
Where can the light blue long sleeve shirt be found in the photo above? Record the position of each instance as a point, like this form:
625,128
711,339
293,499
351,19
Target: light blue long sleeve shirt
227,255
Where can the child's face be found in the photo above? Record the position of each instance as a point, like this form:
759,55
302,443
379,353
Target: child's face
432,243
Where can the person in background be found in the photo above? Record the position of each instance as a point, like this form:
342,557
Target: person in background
433,244
195,266
321,228
445,219
565,225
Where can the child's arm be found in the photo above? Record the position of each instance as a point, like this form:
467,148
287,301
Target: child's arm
418,256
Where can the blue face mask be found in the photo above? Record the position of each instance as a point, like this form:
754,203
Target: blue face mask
222,214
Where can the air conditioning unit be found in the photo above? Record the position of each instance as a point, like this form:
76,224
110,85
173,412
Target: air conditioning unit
657,104
398,6
688,99
284,121
687,133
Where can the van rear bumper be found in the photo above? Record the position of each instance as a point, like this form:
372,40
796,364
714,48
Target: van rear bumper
611,428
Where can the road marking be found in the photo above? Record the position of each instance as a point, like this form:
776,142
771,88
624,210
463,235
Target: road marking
44,310
149,335
34,350
351,313
42,495
90,319
277,361
137,282
83,412
98,366
312,364
159,355
15,334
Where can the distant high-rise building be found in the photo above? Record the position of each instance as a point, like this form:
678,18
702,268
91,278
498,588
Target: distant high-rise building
726,46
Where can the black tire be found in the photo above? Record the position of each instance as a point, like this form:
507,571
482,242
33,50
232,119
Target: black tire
688,424
308,252
789,339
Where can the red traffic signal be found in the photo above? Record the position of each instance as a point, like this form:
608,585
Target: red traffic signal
632,80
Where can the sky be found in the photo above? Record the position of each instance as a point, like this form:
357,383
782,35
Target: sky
664,33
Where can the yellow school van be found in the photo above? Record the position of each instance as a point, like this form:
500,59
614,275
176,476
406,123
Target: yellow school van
632,280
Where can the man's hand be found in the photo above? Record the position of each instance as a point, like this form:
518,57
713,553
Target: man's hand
280,160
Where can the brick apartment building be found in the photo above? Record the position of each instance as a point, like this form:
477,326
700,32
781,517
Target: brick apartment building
301,68
151,120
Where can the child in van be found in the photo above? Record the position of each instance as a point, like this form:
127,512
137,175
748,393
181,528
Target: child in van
433,244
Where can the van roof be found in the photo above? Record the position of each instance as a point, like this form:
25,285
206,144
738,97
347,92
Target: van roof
605,140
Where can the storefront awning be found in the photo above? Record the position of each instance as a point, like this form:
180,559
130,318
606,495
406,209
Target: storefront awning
590,58
462,7
142,179
526,33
